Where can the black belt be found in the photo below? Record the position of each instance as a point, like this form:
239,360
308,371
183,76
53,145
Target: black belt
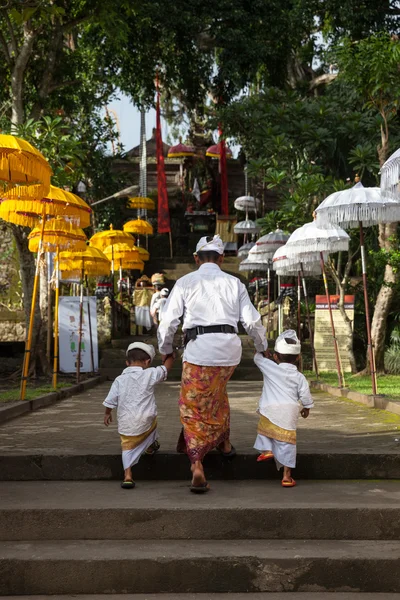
191,334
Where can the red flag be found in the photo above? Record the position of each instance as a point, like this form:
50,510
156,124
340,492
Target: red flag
164,225
224,177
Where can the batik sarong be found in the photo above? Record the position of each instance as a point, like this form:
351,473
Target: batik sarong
204,409
281,442
133,446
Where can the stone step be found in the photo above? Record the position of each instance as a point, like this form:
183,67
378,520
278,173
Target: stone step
96,566
339,510
217,596
59,466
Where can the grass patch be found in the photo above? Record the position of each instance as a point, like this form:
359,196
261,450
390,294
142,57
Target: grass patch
12,394
387,384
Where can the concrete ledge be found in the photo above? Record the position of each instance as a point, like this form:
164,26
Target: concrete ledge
12,410
173,466
379,401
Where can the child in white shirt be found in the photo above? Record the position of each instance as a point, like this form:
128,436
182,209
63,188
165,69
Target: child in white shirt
132,394
279,407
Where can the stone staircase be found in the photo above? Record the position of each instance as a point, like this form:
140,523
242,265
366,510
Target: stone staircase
251,540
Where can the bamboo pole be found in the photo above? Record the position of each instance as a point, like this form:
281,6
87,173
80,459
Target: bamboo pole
90,328
367,320
309,320
49,308
170,244
78,362
335,343
28,343
56,303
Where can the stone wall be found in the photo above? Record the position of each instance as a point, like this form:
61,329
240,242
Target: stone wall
12,325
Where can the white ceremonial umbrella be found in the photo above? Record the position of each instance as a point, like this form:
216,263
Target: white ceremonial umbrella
243,251
247,203
360,207
247,227
267,245
390,177
283,267
309,241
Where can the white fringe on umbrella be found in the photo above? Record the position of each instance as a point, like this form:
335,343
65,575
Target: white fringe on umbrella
272,241
390,176
245,203
311,238
247,226
247,265
348,207
244,250
285,267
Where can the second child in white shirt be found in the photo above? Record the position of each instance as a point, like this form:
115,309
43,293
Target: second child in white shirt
279,408
132,394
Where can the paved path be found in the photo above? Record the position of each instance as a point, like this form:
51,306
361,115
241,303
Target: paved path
75,426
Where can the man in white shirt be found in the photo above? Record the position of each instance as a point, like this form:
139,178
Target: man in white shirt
211,303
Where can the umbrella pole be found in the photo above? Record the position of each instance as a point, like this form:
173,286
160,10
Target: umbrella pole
56,302
269,300
120,280
28,343
170,244
279,307
368,324
335,344
309,320
78,364
298,305
90,327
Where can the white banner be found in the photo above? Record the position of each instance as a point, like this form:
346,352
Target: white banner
69,334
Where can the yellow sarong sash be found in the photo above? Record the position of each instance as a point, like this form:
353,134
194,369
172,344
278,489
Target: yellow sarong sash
265,427
129,442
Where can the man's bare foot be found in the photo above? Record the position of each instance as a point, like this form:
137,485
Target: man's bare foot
198,477
225,447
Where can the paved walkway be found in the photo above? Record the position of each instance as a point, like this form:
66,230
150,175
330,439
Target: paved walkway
75,426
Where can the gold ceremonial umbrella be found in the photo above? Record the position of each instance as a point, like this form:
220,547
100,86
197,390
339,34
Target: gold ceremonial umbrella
24,171
58,235
26,210
143,253
141,202
139,226
122,253
90,261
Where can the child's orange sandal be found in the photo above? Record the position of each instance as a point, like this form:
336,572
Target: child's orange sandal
264,456
286,483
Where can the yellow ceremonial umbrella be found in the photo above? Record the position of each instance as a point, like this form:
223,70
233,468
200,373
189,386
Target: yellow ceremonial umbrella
143,253
122,253
90,261
57,202
141,203
139,226
58,235
26,210
24,171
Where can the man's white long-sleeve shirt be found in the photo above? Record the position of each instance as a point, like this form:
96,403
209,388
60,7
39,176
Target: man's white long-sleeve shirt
209,296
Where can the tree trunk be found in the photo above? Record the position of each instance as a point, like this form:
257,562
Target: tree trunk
27,267
384,299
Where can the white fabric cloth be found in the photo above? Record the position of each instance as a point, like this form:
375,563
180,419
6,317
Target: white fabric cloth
131,457
155,297
283,388
142,317
206,297
132,394
284,453
214,245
